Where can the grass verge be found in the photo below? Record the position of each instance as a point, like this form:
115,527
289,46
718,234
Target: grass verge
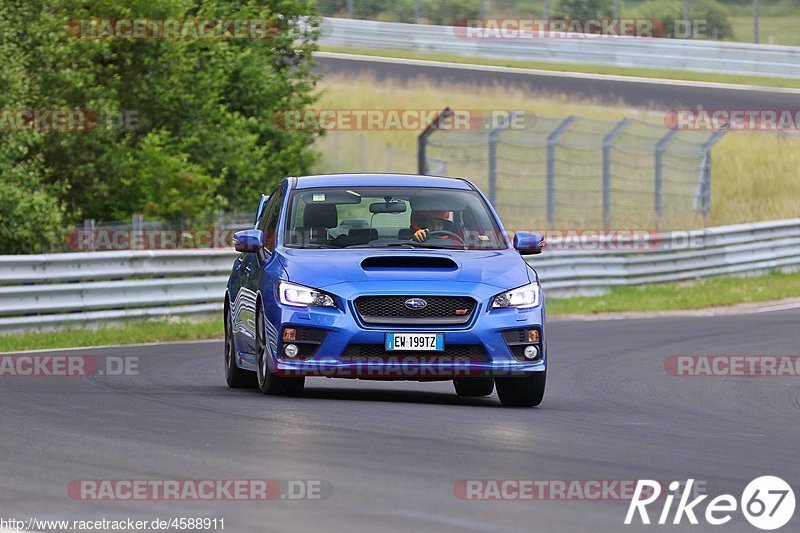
738,79
713,292
663,297
134,332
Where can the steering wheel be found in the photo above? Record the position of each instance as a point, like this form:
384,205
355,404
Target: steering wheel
442,233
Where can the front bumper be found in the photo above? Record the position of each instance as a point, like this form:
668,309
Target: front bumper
343,327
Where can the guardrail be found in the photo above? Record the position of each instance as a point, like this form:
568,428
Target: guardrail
39,292
675,54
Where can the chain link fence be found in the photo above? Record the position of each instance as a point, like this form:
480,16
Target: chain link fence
577,172
141,233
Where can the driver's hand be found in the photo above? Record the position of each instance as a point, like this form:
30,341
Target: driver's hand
421,235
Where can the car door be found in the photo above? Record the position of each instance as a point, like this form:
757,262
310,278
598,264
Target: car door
253,268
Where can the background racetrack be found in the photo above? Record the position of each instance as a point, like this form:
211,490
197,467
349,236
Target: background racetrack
644,92
392,451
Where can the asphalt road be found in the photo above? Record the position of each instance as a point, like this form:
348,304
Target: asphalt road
392,451
602,89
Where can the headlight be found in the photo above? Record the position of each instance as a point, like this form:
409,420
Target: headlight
523,297
300,296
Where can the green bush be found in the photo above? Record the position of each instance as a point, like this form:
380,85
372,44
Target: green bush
31,220
582,9
716,18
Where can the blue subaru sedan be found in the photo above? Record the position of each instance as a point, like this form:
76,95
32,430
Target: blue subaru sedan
385,276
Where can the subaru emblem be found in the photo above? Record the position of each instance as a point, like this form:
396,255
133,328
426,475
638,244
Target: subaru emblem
416,303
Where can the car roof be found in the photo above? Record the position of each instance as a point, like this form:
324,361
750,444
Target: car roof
366,180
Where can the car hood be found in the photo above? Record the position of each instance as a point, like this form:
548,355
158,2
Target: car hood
323,268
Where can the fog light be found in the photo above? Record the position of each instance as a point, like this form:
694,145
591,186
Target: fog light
531,352
290,334
290,350
533,335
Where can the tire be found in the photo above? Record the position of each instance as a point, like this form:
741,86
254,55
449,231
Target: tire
471,387
235,376
522,392
268,382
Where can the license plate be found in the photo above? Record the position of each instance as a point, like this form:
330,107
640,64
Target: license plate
421,342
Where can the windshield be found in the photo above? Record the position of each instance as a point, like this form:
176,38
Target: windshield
403,217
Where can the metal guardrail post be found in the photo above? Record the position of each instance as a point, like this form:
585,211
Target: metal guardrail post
552,139
494,138
661,145
422,139
607,142
704,185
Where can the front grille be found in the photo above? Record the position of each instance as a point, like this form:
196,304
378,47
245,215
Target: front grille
393,310
453,352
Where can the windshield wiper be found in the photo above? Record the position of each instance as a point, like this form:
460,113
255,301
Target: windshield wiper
438,246
381,245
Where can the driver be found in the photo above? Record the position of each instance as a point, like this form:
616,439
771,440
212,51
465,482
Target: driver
425,222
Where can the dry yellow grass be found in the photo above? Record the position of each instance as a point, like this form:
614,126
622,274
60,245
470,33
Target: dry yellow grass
755,175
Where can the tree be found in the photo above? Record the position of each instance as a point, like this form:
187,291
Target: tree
204,135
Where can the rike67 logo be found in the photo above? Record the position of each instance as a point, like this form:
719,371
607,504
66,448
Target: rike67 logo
767,502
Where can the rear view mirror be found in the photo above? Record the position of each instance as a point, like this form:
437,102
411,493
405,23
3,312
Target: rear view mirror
528,243
387,207
250,240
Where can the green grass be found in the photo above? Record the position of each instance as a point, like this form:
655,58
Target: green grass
134,332
584,68
712,292
771,29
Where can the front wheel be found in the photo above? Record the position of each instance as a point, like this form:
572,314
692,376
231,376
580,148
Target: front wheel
268,382
525,391
472,387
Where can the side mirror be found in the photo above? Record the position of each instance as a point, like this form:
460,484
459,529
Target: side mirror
249,240
528,243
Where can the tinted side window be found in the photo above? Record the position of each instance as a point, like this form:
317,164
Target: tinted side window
269,222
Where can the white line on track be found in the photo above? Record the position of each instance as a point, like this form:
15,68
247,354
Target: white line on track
556,73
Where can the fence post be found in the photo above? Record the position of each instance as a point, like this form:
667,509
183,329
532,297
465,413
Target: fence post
88,229
422,140
607,142
494,138
661,145
137,229
702,196
552,139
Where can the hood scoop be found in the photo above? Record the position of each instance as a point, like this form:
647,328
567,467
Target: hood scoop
390,262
